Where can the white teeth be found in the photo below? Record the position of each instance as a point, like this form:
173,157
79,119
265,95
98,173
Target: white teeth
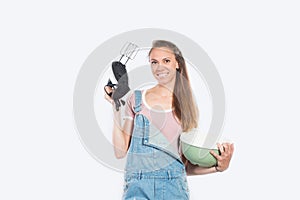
162,75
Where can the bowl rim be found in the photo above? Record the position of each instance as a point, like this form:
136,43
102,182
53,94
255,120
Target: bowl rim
205,148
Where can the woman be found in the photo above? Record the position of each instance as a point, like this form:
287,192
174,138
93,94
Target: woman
154,120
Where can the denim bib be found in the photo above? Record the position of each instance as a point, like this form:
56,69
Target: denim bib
153,169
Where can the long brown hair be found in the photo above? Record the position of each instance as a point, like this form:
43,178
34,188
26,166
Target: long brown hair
185,107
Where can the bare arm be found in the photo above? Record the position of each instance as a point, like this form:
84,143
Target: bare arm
121,135
192,169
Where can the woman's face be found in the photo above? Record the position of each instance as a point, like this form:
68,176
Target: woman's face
163,65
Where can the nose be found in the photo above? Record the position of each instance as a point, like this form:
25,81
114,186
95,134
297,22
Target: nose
160,68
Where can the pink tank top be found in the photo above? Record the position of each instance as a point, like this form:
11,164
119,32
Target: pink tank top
161,120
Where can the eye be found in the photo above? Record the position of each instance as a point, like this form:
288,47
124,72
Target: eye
153,62
167,61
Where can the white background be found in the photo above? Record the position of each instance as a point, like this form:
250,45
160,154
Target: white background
254,45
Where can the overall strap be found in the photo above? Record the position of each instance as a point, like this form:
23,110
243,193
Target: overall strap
138,101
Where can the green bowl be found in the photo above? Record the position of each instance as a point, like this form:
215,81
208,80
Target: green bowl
198,155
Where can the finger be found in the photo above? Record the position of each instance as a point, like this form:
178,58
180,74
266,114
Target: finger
226,148
220,147
108,89
217,156
108,98
231,148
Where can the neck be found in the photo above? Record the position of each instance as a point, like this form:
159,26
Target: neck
165,90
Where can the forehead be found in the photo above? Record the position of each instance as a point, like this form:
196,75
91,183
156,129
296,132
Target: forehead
161,52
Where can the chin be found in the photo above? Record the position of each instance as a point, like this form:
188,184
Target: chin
164,81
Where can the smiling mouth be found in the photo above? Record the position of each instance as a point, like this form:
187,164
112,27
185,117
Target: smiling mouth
162,75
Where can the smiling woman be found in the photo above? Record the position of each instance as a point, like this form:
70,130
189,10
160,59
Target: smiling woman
154,120
169,68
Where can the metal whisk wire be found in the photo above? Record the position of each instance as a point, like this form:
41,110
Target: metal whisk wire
129,50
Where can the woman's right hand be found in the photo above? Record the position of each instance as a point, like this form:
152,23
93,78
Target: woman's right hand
108,90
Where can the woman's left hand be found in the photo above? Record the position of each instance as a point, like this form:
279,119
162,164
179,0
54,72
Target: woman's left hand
223,160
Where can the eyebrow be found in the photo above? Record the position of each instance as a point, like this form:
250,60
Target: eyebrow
163,58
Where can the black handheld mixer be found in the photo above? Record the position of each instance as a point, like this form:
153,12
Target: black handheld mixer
121,88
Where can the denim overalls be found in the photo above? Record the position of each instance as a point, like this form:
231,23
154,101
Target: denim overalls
152,172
